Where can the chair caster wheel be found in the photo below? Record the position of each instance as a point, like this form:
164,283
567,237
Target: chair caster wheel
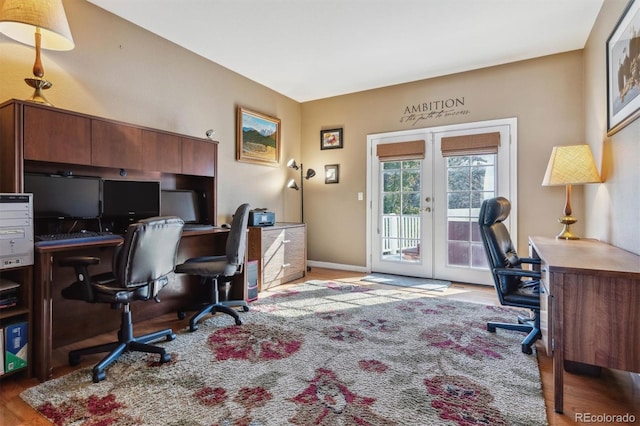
193,327
245,308
238,321
171,337
99,376
491,329
182,315
74,360
527,350
165,357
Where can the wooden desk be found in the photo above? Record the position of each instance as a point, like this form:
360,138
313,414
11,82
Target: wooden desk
590,305
59,322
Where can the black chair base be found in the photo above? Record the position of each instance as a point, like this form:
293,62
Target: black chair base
126,343
526,327
215,306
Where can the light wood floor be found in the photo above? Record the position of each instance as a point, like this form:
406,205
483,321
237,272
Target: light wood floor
613,392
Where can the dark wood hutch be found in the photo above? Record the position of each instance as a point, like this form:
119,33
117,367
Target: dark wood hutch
45,139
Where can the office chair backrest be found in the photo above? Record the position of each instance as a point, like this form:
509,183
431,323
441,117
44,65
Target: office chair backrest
499,248
148,254
237,240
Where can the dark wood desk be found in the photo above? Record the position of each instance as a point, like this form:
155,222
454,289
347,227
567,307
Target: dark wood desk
590,305
59,322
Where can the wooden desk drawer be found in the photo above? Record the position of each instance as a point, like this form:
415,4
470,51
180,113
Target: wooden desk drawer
546,306
281,250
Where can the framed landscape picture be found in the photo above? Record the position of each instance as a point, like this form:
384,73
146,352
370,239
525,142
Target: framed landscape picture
331,139
257,138
623,70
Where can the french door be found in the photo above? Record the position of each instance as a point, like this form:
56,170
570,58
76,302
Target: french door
402,223
423,214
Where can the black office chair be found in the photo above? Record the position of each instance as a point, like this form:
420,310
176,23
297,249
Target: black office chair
515,286
213,270
142,266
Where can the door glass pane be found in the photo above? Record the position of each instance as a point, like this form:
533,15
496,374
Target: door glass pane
400,233
470,180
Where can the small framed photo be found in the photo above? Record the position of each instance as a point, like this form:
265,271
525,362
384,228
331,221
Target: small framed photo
331,139
257,138
623,70
332,173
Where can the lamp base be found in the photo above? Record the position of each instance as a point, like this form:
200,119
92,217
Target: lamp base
566,233
39,84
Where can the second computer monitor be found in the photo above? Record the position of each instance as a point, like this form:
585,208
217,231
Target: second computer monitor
130,199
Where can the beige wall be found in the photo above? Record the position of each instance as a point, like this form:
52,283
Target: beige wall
544,94
614,206
120,71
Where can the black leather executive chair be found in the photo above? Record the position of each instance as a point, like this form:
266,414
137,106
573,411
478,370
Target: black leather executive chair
213,270
515,286
142,266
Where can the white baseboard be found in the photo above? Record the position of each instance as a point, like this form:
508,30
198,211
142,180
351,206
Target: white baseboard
338,266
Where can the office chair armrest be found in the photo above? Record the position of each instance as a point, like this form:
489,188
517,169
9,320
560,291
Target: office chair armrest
206,259
518,272
79,261
531,260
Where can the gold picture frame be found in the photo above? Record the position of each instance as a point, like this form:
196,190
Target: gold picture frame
257,138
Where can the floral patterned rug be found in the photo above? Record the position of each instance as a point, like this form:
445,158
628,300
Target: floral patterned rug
320,353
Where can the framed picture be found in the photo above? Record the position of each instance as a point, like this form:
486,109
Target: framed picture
623,70
257,138
332,173
331,139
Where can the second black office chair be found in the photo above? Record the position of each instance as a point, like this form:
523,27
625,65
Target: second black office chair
515,286
214,270
142,266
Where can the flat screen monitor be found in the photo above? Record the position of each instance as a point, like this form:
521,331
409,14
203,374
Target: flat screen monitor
63,197
130,199
182,203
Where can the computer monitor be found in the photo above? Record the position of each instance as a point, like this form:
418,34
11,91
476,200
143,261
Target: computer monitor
63,197
182,203
130,199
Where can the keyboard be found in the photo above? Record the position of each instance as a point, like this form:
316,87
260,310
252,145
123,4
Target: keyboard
74,237
196,227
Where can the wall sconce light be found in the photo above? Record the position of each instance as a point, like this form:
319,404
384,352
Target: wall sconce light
38,23
570,165
293,185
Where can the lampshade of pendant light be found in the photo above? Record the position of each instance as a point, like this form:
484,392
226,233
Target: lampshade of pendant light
39,23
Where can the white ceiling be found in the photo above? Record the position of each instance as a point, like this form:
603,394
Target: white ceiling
313,49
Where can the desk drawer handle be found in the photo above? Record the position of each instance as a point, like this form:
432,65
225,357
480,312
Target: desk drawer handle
286,241
286,265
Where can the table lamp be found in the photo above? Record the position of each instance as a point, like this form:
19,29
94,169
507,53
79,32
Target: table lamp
570,165
39,23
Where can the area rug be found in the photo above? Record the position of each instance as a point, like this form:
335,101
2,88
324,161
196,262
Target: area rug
402,281
320,353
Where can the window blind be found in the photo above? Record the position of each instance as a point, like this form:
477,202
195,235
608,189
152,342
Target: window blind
412,150
484,143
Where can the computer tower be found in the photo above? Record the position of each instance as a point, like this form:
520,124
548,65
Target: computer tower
252,280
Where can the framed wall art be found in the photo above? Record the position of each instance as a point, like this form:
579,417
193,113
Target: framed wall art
331,139
257,138
332,173
623,70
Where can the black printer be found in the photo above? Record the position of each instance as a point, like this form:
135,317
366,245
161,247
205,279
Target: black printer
261,217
